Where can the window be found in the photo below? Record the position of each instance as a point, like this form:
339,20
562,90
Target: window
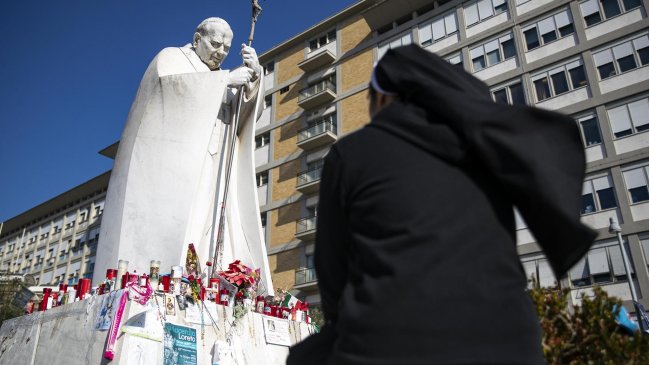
600,265
477,11
636,184
269,68
263,221
623,57
510,94
598,194
629,118
437,29
399,41
589,130
540,271
595,11
322,40
268,101
454,59
559,80
283,90
548,30
262,140
262,178
492,52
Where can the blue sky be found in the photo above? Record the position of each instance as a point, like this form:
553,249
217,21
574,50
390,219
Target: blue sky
69,70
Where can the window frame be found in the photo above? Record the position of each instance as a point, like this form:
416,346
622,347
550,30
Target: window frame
630,118
536,26
508,92
584,118
548,72
608,53
329,36
590,279
600,10
481,19
508,37
595,192
645,174
429,24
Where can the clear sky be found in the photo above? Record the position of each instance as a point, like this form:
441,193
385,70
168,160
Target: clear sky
69,70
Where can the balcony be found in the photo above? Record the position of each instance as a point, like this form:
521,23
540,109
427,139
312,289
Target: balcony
317,60
305,228
320,134
321,93
309,181
305,279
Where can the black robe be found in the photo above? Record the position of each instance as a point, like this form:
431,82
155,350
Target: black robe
416,248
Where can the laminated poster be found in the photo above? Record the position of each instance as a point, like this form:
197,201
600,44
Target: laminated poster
276,331
107,310
179,345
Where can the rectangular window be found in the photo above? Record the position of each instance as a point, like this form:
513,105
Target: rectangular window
539,271
477,11
559,80
455,60
322,40
600,265
268,101
549,29
636,184
598,194
630,118
402,40
589,130
512,94
262,178
623,57
262,140
269,68
437,29
492,52
596,11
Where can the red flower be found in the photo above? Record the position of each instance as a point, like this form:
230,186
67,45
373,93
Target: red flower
209,263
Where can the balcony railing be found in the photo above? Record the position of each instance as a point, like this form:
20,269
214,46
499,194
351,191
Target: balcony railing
309,181
309,176
305,225
305,276
318,94
316,130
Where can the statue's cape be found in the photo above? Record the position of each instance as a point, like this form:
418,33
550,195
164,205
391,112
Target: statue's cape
162,191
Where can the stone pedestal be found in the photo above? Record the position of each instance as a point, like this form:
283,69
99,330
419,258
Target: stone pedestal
66,335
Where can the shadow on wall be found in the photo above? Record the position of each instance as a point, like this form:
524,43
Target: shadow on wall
288,214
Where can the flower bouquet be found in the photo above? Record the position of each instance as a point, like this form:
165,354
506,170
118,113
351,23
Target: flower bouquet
242,277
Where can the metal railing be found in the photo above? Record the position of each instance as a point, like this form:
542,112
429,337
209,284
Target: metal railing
325,125
305,224
316,89
305,275
309,175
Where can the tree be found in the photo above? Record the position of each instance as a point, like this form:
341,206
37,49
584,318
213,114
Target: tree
586,334
8,289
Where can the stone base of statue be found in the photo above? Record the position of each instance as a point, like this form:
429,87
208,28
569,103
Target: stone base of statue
67,335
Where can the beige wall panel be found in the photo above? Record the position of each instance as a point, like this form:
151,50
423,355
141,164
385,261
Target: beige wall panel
283,224
285,139
282,268
354,112
357,70
287,102
354,31
284,180
287,65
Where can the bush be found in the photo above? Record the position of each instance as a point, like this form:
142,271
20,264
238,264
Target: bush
586,334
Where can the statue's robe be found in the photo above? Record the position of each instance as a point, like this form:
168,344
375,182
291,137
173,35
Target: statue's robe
167,184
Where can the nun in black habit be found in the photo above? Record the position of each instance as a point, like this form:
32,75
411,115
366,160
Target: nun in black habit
416,247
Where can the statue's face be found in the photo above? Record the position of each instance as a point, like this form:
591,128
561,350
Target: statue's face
213,47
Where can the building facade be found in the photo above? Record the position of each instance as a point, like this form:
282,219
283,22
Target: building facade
587,59
56,242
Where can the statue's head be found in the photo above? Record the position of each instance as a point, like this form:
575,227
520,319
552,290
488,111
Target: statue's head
212,41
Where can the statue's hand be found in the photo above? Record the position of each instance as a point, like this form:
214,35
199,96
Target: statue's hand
240,76
250,59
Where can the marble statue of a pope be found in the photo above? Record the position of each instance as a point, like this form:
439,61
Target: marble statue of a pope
167,184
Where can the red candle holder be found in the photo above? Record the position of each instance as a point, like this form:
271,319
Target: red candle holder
47,292
165,283
84,288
